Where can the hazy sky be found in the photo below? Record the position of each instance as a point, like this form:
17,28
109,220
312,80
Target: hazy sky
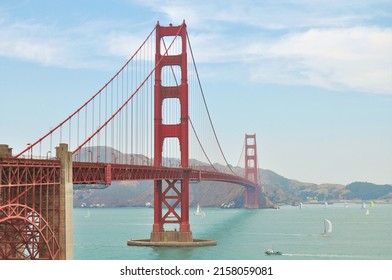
313,79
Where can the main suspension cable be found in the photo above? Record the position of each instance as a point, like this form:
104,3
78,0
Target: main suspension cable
242,153
190,120
59,126
205,104
126,101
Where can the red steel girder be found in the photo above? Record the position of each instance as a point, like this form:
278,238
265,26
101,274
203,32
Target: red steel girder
25,234
29,208
96,173
28,172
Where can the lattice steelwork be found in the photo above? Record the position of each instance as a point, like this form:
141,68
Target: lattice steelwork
136,127
29,209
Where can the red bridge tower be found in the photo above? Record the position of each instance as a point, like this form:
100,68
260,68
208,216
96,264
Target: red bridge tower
251,171
169,195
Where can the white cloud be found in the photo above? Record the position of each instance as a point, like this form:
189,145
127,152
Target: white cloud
25,41
270,14
331,44
317,48
89,45
358,58
122,44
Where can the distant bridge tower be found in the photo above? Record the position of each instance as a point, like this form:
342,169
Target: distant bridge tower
251,171
169,194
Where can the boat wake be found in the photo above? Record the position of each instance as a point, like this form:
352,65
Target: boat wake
322,256
284,234
132,224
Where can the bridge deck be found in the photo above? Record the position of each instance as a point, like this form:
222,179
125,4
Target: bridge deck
102,173
105,174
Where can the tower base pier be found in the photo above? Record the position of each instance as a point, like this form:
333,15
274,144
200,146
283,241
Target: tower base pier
172,239
171,236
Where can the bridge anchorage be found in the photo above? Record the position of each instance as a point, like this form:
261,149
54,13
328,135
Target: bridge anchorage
36,190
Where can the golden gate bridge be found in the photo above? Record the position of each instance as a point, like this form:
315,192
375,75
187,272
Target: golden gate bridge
138,126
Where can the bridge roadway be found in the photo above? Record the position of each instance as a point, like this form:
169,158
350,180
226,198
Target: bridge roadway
28,172
103,173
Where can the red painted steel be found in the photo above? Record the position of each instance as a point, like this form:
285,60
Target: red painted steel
164,131
29,209
30,218
29,199
251,171
69,118
98,173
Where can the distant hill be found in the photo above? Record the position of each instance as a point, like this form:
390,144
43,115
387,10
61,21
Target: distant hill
282,190
121,194
276,190
368,191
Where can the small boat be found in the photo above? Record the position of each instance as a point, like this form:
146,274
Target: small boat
199,212
327,228
88,215
271,251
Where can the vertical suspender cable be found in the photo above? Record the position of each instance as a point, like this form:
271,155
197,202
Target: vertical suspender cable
205,103
190,121
106,128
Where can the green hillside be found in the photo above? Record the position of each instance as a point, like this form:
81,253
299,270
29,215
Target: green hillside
276,190
368,191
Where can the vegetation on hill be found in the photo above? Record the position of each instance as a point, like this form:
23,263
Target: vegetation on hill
276,190
368,191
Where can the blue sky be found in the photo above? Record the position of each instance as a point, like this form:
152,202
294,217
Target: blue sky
313,79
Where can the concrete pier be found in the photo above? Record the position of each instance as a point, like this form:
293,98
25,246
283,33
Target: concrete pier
172,239
5,151
66,203
171,236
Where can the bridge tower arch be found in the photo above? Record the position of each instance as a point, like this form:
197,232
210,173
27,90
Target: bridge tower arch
251,171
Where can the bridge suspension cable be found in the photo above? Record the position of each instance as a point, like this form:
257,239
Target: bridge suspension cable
142,114
115,118
241,158
116,124
206,107
190,119
90,102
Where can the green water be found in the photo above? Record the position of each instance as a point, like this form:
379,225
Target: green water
242,234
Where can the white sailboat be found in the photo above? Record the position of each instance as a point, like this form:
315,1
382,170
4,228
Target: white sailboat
88,214
327,228
199,212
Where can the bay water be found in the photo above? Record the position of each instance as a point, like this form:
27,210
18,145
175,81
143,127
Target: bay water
242,234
